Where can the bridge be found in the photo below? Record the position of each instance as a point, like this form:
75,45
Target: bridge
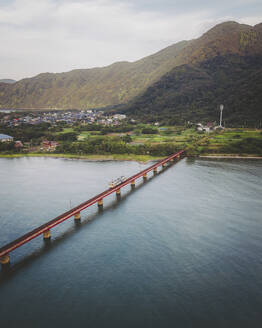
45,229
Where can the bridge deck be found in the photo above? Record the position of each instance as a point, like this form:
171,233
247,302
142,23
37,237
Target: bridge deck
5,250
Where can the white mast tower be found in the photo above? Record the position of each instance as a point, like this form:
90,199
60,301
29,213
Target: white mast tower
221,112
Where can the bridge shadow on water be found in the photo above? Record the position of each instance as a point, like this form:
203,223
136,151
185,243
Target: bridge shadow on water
9,271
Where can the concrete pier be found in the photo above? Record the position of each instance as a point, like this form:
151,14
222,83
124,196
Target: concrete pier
100,202
4,260
145,176
118,192
77,216
133,183
47,235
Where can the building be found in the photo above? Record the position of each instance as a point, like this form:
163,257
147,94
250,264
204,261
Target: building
49,145
19,144
119,116
208,128
5,138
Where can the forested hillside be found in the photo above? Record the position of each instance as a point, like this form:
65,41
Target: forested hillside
90,88
194,93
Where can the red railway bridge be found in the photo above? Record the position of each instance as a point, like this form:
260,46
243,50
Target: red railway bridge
45,229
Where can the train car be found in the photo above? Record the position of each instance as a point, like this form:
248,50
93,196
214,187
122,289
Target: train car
117,182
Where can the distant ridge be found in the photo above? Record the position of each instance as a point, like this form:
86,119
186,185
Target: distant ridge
90,88
141,84
10,81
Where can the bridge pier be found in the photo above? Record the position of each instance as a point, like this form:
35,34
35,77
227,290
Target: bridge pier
163,165
118,192
145,176
77,216
100,202
4,260
172,160
133,183
47,235
155,170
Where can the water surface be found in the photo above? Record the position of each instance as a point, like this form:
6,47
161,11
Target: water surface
181,250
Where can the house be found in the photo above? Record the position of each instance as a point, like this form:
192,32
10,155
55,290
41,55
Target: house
5,138
208,128
49,145
199,127
119,116
19,144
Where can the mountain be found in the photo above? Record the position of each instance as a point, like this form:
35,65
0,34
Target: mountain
7,81
90,88
223,39
194,93
223,66
179,79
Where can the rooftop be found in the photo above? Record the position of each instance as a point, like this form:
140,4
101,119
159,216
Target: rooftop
5,136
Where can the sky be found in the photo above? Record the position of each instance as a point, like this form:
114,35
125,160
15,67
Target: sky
60,35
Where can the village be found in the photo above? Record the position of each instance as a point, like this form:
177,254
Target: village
15,118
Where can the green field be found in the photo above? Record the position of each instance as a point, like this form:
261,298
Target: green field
66,130
231,141
138,142
234,141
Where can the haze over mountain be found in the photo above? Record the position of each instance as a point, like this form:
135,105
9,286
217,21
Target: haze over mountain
182,64
7,81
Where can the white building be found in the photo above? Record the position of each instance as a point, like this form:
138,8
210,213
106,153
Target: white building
119,116
5,138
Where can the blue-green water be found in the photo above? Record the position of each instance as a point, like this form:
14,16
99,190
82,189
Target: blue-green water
182,250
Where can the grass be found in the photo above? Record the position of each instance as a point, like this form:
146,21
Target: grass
177,137
84,135
217,143
66,130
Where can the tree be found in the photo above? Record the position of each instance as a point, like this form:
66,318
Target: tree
126,138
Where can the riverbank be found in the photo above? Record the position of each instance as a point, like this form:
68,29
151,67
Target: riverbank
230,156
91,157
125,157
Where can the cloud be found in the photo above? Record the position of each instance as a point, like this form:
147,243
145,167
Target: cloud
59,35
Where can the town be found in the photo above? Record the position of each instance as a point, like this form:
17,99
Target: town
16,118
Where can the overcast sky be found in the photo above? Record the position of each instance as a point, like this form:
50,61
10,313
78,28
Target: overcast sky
60,35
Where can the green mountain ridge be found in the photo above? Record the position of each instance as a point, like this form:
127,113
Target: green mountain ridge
194,93
125,82
90,88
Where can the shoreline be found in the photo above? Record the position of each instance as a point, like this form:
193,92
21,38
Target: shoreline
124,157
230,156
91,157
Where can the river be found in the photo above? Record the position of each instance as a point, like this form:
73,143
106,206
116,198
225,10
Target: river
180,250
